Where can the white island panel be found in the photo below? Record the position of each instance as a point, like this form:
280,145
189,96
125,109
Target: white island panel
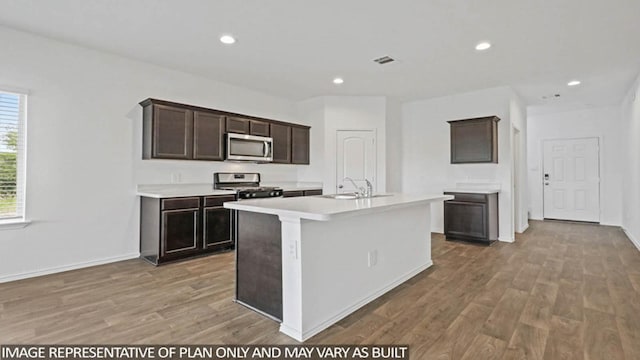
341,265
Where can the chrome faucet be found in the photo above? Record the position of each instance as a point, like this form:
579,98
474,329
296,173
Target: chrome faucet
362,192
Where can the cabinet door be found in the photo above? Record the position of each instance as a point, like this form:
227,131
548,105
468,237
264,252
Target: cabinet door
179,232
465,219
172,132
237,125
259,128
208,136
474,141
217,228
281,135
299,145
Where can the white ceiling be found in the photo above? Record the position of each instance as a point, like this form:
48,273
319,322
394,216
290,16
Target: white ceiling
294,48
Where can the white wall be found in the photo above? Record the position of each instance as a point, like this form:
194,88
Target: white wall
426,143
394,146
631,167
84,148
518,116
603,123
333,113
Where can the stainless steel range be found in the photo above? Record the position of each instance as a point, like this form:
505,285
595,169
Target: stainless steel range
246,185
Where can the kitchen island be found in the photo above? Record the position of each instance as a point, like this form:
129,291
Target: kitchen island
308,262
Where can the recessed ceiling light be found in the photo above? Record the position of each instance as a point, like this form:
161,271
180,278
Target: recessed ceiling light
227,39
573,83
338,81
483,46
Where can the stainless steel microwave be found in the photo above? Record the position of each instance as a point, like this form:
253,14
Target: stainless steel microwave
242,147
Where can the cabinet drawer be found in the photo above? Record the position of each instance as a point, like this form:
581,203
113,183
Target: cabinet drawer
293,193
180,203
479,198
313,192
210,201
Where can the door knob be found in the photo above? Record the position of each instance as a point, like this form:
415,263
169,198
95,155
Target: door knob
340,186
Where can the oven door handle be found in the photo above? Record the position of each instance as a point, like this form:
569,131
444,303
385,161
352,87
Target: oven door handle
266,149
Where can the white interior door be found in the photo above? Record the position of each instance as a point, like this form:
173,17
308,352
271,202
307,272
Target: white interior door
356,158
571,179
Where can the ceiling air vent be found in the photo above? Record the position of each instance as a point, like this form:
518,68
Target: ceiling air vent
384,60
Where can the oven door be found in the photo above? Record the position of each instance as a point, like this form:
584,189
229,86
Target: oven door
249,148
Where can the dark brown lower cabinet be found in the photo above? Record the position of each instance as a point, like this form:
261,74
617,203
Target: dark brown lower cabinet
259,263
471,217
178,228
296,193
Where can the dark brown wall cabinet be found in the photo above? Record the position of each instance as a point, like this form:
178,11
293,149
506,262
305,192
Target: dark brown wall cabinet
471,217
178,228
208,136
281,135
185,132
474,140
237,125
177,133
299,145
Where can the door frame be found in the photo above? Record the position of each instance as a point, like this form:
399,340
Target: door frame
375,149
600,167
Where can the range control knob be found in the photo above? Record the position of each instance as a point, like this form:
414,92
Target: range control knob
253,195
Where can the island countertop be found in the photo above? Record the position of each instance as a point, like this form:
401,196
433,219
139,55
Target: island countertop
321,208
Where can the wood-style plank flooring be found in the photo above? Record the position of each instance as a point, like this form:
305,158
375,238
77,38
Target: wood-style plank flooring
561,291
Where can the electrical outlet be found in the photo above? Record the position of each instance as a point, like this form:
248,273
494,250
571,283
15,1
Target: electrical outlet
372,258
176,178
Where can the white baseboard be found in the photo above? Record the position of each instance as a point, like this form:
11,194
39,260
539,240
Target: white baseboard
305,335
57,269
524,228
505,239
632,238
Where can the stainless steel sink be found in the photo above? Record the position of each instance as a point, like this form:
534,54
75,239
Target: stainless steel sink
351,196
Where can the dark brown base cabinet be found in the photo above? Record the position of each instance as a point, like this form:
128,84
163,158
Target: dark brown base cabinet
471,217
259,263
178,228
296,193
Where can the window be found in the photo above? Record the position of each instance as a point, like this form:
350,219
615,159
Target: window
12,156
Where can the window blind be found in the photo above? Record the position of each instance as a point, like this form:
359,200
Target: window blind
12,155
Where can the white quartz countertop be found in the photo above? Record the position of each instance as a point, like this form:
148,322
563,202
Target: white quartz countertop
293,185
181,190
323,209
473,191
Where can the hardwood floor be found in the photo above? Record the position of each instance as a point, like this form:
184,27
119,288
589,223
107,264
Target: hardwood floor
561,291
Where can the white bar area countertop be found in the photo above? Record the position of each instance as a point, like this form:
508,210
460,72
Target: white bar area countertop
181,190
321,208
339,255
475,188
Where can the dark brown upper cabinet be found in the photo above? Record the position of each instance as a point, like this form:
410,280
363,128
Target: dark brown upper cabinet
474,140
281,135
208,136
186,132
299,145
237,125
259,128
170,132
